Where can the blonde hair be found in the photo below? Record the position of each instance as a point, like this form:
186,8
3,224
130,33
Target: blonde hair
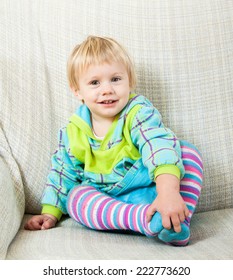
97,50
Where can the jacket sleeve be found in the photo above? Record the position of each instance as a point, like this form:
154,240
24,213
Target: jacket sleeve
66,172
158,145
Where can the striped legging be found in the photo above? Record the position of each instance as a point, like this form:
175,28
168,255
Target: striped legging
99,211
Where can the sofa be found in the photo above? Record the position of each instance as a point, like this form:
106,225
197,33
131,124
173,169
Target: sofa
182,51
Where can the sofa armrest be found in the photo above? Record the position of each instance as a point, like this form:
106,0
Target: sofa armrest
12,204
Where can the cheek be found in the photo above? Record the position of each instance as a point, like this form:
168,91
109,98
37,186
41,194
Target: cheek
90,98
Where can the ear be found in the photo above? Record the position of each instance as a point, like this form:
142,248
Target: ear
76,92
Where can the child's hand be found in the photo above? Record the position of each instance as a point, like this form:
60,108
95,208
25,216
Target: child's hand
169,203
40,222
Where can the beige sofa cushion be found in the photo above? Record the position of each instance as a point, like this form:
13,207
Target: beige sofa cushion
11,204
208,242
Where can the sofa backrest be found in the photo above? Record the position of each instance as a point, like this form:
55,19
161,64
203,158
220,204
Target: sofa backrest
183,55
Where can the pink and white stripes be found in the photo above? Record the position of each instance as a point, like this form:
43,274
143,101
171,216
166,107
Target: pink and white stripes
99,211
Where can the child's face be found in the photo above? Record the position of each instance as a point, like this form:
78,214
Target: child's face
104,89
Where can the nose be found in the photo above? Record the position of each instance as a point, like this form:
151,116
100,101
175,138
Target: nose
106,88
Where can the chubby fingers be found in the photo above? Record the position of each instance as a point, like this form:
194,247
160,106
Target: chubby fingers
176,223
169,220
150,212
39,222
48,222
174,220
186,211
34,223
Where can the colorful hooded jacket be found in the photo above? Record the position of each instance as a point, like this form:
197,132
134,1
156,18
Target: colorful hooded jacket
136,149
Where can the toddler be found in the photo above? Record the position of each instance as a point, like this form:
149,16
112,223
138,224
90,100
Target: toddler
117,166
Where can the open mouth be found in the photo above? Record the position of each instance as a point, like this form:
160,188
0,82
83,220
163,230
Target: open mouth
107,102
